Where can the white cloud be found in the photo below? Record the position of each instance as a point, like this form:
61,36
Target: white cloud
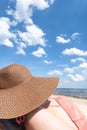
55,72
69,70
83,65
39,53
75,35
74,51
78,59
33,36
69,83
62,40
24,9
77,73
76,77
20,49
23,12
5,34
42,4
47,62
7,42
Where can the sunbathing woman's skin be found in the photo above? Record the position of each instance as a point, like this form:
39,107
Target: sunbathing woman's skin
52,117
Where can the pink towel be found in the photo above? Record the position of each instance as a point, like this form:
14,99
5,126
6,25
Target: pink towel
73,112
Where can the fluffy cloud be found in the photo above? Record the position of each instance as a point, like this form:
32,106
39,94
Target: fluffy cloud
83,65
69,70
76,77
24,9
20,49
62,40
33,36
5,34
39,53
77,73
48,62
78,59
55,72
74,51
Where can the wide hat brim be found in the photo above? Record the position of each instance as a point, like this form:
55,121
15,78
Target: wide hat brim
25,97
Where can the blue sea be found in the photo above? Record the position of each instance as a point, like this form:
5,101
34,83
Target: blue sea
79,93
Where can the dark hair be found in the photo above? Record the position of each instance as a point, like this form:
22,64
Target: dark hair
13,124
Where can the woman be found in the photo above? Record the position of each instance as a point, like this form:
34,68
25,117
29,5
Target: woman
25,103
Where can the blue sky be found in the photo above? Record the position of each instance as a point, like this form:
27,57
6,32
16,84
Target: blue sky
47,36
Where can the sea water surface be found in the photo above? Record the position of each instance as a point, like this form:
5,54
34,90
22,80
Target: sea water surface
79,93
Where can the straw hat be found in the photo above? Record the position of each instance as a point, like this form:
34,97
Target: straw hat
20,92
